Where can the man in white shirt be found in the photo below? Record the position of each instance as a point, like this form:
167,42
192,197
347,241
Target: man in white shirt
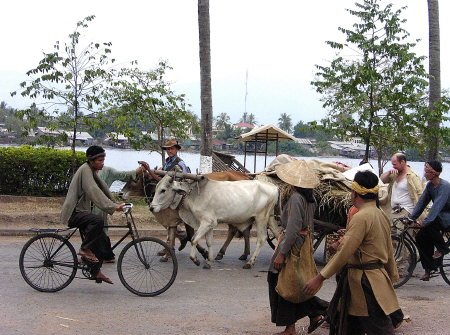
405,186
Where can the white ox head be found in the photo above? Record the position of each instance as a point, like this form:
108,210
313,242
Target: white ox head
168,193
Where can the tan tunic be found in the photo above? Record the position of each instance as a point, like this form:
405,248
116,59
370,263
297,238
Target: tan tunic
86,187
367,240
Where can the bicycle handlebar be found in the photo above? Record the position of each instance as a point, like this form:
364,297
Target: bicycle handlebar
127,208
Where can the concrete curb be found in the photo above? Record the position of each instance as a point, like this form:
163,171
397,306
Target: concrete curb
156,232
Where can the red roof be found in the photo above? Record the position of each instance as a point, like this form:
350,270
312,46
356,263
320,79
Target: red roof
244,125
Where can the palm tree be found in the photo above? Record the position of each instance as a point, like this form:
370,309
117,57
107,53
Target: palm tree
222,120
435,75
251,118
285,122
205,86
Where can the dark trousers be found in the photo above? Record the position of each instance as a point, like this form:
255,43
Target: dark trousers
285,313
94,237
376,323
427,238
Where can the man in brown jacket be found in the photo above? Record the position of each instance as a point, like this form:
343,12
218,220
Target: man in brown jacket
86,190
365,292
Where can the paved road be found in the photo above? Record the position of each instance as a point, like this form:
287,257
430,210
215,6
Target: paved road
224,300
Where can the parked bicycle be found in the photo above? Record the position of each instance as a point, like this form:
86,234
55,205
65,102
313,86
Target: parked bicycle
48,261
406,255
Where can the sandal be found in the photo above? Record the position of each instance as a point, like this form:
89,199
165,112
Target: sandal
315,323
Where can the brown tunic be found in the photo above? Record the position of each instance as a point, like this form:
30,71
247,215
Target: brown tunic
367,240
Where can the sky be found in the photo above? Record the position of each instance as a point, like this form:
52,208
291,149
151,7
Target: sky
266,49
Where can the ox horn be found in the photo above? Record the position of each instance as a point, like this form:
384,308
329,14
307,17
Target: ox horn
174,174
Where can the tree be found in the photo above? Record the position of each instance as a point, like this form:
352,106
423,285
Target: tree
285,122
70,78
222,120
142,103
248,118
435,77
312,130
205,86
378,93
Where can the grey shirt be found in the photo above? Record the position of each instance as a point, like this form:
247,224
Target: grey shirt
296,215
440,195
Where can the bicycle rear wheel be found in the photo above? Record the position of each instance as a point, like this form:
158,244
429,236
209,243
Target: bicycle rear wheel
140,269
406,260
48,262
444,268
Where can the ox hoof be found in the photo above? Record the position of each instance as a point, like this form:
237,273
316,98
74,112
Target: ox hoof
243,257
196,261
207,266
204,254
247,266
219,256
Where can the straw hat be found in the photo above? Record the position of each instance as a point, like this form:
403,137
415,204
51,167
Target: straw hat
297,173
171,143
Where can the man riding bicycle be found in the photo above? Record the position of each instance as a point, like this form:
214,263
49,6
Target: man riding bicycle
438,219
86,190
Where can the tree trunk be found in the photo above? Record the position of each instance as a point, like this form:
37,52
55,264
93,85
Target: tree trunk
205,86
435,76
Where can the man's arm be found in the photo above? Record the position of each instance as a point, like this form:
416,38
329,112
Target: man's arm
386,176
439,203
95,194
424,200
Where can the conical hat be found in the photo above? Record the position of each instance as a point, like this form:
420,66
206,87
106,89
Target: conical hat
297,173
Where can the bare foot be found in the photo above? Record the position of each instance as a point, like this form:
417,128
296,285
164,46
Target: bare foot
290,330
100,277
88,254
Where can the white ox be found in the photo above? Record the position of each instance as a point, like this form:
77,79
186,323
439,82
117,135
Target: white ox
205,203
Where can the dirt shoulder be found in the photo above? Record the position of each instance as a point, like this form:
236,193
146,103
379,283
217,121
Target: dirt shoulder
18,212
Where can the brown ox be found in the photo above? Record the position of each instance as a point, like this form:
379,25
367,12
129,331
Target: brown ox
169,218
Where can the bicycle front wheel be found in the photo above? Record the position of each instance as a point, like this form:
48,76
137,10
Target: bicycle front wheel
48,262
406,260
141,270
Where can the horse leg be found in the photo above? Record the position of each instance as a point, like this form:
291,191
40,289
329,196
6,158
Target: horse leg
231,232
170,242
182,236
246,235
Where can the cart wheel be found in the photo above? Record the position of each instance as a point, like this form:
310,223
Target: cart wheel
48,262
140,269
406,260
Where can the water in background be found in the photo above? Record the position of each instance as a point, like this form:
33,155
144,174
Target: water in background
123,159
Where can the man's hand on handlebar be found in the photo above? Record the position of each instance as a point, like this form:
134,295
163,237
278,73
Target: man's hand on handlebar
119,207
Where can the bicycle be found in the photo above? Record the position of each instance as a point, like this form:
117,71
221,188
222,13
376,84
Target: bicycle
48,261
405,252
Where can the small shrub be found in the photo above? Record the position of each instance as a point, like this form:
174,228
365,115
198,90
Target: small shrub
34,171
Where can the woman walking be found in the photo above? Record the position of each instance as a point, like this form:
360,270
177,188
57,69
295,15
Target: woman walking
297,222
